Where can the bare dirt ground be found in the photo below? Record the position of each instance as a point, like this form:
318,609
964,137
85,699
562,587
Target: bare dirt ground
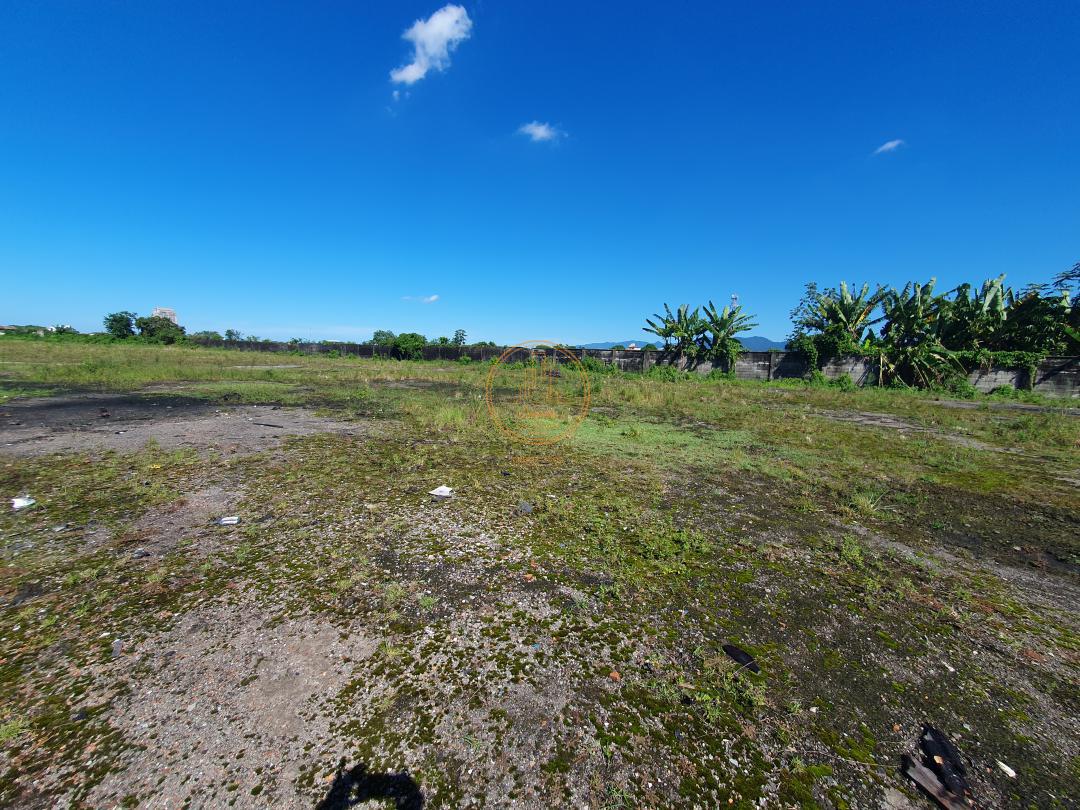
126,422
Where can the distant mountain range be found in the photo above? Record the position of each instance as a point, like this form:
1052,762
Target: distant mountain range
757,343
754,343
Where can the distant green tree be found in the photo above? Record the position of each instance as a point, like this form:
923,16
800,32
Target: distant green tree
64,329
443,341
120,324
649,347
156,329
410,345
618,347
206,335
383,337
459,335
232,334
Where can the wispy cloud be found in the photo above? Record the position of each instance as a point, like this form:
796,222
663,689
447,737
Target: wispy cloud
433,39
538,131
421,299
889,146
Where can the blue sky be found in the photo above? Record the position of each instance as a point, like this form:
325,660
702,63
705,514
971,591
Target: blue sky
250,165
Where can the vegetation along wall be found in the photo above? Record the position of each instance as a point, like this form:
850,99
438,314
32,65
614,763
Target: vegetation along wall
1054,376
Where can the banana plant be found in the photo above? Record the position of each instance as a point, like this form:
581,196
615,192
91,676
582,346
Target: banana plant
681,332
912,349
975,321
723,326
1039,321
844,312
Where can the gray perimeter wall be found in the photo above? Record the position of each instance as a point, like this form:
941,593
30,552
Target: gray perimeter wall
1055,376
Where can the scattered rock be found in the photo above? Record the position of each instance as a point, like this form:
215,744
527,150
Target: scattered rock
524,508
117,648
615,676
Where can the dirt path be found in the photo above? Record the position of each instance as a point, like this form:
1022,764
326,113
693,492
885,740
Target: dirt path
124,423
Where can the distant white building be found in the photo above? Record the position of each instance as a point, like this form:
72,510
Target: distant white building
164,312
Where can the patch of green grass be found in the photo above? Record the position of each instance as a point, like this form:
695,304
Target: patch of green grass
12,729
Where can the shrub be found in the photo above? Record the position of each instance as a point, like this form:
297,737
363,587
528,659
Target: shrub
410,345
666,372
843,382
960,386
594,366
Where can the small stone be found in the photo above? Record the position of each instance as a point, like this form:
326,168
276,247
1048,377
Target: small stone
117,648
615,676
524,508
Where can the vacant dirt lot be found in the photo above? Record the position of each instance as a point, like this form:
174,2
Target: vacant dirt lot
554,634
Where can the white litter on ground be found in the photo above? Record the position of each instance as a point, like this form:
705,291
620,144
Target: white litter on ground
1009,772
22,502
229,521
442,492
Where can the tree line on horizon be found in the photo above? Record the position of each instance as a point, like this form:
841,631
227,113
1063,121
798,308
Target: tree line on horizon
126,325
924,338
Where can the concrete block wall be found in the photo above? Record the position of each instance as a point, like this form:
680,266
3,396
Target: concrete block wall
1055,376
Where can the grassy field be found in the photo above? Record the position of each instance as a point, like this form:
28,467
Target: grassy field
890,558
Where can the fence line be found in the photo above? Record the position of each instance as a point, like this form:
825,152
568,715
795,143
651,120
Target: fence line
1055,376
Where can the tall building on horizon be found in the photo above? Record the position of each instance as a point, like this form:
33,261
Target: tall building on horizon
164,312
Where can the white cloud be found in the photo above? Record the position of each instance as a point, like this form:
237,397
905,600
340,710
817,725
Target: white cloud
423,299
538,131
889,146
433,39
